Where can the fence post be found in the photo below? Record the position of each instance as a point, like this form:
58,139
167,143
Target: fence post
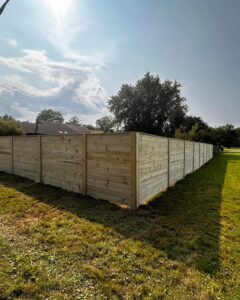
40,159
168,170
84,160
12,154
134,171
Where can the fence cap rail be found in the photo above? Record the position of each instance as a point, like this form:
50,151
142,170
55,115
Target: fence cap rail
101,134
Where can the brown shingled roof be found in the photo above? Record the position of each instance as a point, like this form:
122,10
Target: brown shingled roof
48,128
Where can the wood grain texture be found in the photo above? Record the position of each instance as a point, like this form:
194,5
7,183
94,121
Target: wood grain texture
152,166
6,154
176,160
188,157
63,162
125,168
110,167
196,156
26,157
201,154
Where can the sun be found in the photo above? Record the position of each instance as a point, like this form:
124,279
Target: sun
58,7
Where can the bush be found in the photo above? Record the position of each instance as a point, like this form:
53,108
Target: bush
10,127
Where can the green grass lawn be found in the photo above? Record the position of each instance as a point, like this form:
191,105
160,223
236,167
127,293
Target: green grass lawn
184,245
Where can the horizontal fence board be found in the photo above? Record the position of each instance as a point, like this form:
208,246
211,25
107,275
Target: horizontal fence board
26,157
6,154
176,160
63,162
109,167
124,168
196,156
189,153
152,166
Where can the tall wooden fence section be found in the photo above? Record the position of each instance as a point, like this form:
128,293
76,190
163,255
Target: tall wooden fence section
161,162
125,168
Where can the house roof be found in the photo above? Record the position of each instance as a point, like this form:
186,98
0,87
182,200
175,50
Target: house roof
48,128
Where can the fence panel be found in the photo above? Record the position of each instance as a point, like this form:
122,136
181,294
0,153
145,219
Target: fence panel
6,154
208,152
196,156
26,156
201,154
152,166
176,161
110,164
189,153
63,162
125,168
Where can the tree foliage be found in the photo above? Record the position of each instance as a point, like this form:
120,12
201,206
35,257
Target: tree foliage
50,115
106,124
8,117
74,120
226,136
89,126
10,127
150,105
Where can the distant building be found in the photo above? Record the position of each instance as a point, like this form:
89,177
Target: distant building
48,128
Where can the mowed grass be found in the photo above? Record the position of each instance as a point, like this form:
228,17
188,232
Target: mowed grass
183,245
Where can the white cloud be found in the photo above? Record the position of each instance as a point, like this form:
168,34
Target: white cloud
11,42
55,75
24,112
68,84
39,82
64,17
16,84
90,93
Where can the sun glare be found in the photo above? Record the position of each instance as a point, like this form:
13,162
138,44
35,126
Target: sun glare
59,7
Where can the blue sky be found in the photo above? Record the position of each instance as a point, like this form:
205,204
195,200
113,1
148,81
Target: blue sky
72,55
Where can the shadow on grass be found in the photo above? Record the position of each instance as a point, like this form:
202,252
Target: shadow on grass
183,222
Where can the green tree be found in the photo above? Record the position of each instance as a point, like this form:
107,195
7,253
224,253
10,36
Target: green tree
150,106
193,129
74,120
50,115
106,124
10,127
8,117
190,121
225,135
89,126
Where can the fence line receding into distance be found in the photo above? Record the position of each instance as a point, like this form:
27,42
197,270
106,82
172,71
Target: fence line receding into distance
126,168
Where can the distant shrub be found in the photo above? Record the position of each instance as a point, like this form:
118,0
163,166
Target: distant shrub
10,127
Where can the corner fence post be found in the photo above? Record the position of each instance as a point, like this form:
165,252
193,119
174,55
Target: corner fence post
40,159
12,154
84,166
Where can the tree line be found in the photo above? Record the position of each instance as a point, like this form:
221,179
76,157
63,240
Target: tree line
157,107
10,126
150,106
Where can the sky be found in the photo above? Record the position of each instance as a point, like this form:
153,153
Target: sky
72,55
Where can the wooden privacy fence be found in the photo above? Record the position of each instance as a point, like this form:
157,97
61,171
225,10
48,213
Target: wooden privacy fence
126,168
